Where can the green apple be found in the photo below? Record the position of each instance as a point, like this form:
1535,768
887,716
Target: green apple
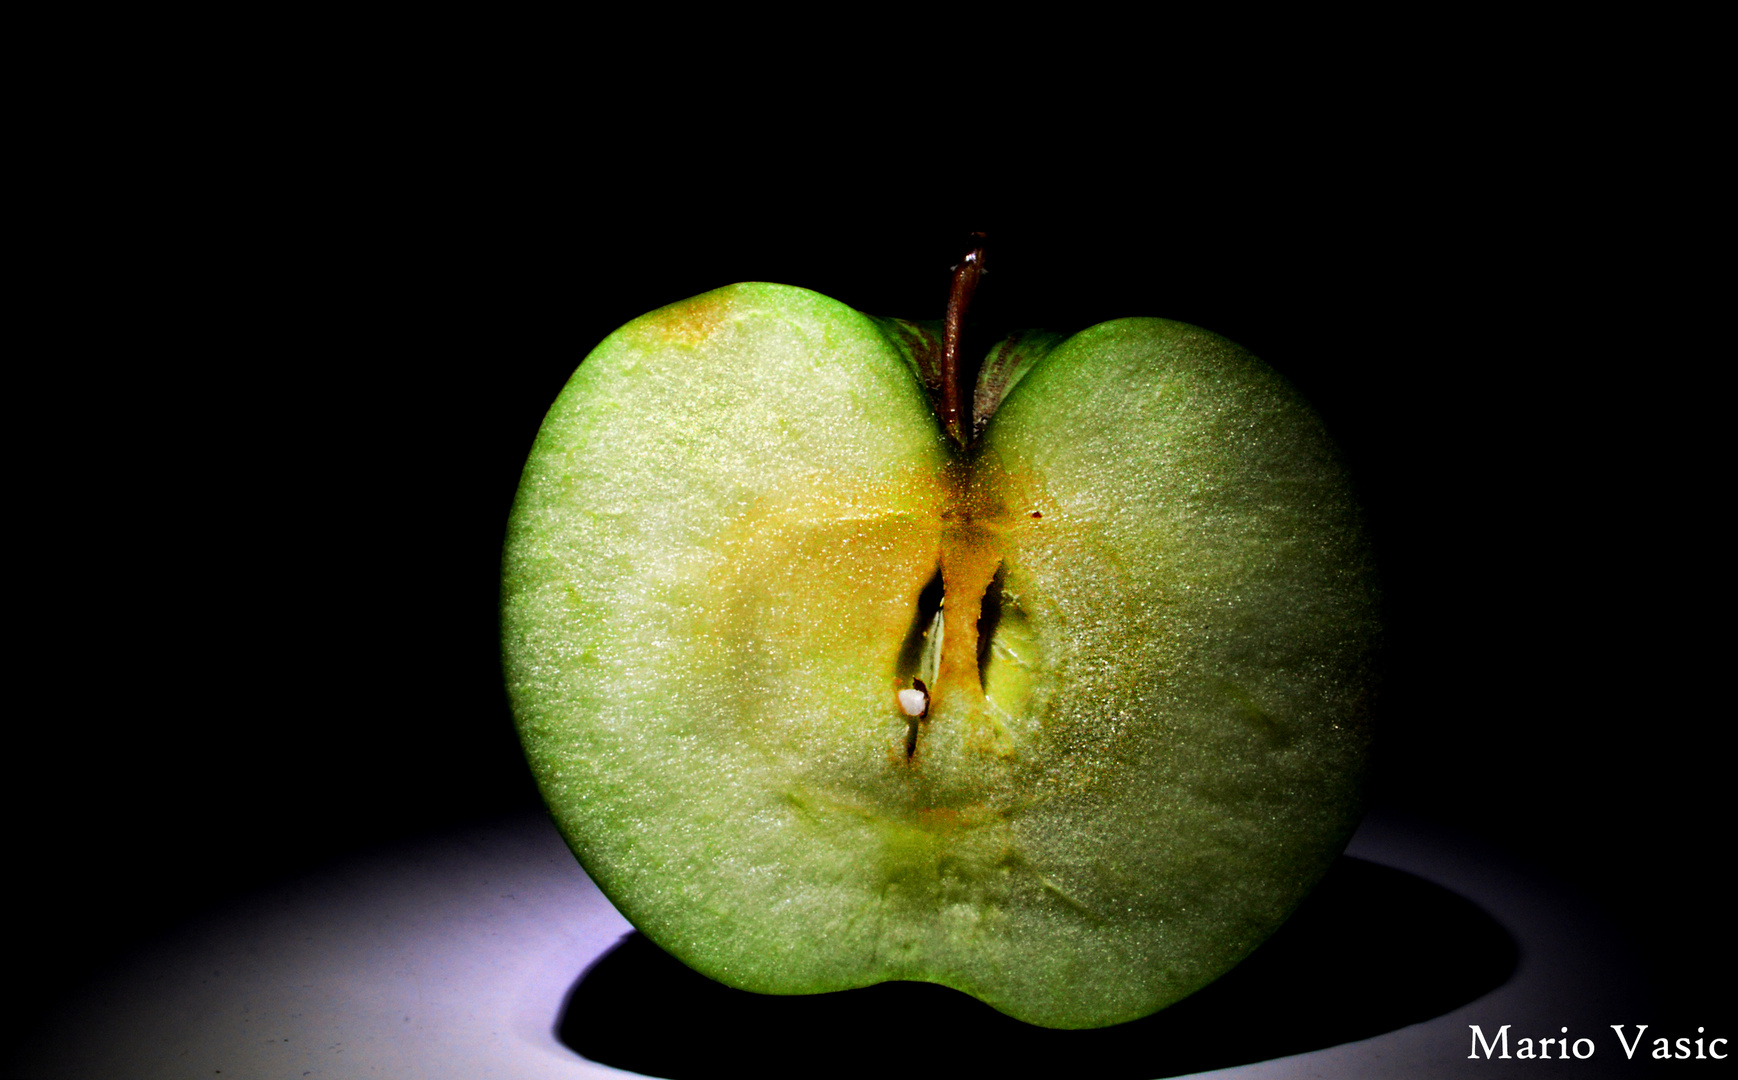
1065,708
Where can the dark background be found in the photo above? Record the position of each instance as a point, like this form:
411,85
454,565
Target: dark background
292,391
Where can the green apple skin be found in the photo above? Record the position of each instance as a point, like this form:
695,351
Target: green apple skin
712,582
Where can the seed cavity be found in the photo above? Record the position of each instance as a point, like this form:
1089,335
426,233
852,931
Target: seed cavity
989,619
920,660
911,652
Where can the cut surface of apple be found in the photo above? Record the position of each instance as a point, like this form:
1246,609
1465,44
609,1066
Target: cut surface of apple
1138,613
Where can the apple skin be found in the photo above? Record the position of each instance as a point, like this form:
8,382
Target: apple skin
712,584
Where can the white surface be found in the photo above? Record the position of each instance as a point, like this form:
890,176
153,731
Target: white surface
452,958
444,959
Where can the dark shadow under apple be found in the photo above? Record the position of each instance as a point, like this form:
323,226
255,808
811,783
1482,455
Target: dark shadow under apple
1373,949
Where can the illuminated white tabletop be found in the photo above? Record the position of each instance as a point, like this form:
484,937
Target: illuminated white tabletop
459,956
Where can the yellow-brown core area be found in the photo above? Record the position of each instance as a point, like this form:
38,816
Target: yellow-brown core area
975,520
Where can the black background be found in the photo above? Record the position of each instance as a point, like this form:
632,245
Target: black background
283,419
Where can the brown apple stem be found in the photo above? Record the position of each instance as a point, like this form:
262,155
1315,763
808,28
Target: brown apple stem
965,282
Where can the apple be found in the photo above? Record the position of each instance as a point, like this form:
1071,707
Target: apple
831,675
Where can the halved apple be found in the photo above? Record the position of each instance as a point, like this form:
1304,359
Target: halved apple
1069,718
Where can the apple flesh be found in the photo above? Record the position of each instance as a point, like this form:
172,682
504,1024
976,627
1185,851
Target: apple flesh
1139,610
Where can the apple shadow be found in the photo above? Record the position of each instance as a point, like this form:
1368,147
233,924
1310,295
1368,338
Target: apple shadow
1373,949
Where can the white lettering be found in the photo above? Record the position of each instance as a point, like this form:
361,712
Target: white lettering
1577,1048
1629,1048
1478,1036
